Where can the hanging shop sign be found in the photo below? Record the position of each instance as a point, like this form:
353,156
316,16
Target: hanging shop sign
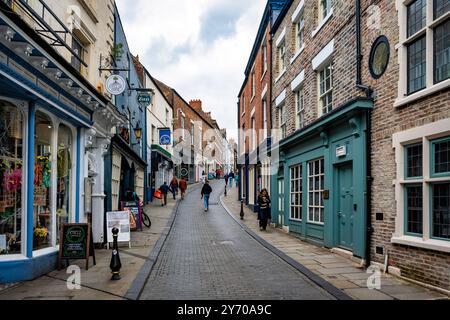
115,84
165,136
144,99
121,221
76,243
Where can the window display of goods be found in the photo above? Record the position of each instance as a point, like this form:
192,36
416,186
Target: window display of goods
40,197
12,180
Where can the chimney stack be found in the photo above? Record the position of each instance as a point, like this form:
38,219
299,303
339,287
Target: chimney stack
196,105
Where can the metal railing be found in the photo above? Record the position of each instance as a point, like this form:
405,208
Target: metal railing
41,20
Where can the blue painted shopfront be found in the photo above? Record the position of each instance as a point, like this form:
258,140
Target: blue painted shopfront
321,188
45,109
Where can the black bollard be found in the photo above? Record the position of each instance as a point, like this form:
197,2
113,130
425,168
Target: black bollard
242,209
115,265
225,191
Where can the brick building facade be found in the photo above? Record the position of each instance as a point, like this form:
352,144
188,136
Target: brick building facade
390,125
254,116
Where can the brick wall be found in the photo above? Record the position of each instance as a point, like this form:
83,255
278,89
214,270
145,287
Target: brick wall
379,17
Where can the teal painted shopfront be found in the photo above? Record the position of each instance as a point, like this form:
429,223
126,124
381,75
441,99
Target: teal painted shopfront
321,188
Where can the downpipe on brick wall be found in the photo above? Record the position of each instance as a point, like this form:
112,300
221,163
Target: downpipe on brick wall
370,94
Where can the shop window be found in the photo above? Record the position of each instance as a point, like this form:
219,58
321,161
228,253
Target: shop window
296,193
11,179
64,180
42,207
316,186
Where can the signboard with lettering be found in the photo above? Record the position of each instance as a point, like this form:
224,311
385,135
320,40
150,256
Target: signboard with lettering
76,243
115,84
165,136
144,99
341,151
135,217
121,221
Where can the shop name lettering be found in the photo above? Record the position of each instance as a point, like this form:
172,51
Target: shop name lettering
225,310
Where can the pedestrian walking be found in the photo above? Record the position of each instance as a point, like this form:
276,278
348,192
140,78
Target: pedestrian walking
183,187
237,180
226,178
264,214
164,191
206,193
174,187
231,177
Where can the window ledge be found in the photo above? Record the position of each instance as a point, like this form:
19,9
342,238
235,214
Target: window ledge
322,23
422,94
297,54
431,244
12,257
281,75
44,252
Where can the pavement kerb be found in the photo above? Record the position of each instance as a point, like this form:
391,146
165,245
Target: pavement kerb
141,279
335,292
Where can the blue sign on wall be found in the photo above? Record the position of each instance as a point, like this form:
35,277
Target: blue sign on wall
165,137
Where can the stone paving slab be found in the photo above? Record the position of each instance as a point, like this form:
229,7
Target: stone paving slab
96,283
341,272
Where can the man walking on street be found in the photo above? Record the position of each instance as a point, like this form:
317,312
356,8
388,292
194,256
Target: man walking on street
206,193
183,187
174,187
164,190
231,177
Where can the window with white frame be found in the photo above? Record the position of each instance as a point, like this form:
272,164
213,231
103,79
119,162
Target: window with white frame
425,44
264,57
325,79
253,77
282,57
192,134
283,121
296,192
316,186
324,9
299,32
265,125
253,134
183,120
300,109
200,138
423,187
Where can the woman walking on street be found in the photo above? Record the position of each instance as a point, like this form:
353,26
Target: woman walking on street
174,187
264,209
206,193
183,187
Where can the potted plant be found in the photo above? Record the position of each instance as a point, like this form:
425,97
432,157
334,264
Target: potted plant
40,234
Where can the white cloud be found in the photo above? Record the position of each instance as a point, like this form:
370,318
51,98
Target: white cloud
167,37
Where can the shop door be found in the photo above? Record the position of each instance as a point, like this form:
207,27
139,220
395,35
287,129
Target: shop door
345,206
281,212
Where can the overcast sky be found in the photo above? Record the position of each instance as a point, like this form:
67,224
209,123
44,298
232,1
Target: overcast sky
198,47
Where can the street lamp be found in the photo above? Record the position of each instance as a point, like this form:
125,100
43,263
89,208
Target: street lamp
138,133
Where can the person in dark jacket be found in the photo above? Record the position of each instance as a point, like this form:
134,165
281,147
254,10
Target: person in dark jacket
206,193
164,190
183,187
264,209
174,187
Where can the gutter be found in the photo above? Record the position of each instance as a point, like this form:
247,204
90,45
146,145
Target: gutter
369,93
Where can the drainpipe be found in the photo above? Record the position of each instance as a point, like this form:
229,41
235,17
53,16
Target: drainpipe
369,93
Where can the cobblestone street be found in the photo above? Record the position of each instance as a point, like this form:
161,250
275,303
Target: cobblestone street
208,256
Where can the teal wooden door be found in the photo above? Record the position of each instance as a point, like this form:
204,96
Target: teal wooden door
345,207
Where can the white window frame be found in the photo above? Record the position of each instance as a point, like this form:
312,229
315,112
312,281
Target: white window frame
321,21
192,132
264,59
253,133
281,54
320,191
430,87
296,179
425,135
322,95
299,97
183,125
283,121
253,80
265,120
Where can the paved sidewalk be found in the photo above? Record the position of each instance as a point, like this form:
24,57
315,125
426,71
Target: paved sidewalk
341,272
96,283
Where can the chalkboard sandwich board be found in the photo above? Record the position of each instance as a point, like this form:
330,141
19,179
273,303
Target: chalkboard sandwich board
76,243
